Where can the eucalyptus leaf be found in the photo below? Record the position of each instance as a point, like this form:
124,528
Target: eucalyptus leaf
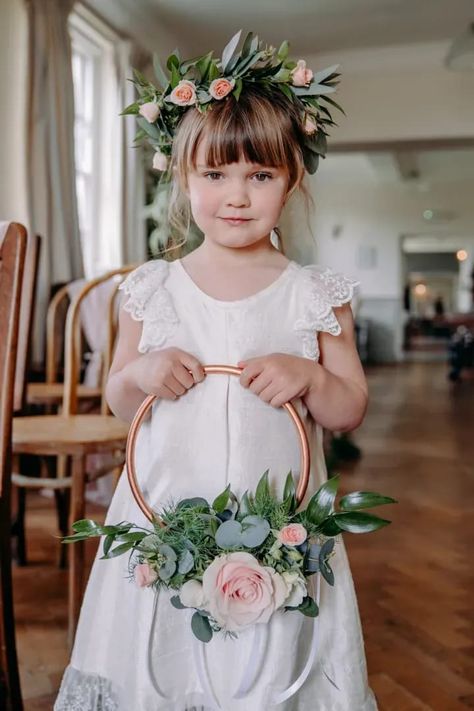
195,501
229,50
325,73
364,500
255,530
167,551
308,607
228,535
162,79
167,570
201,627
186,562
247,45
176,602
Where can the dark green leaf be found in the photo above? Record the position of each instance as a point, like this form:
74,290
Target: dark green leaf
329,527
119,550
220,502
172,61
358,522
108,541
149,128
84,525
289,485
321,503
263,489
130,109
364,500
201,627
309,607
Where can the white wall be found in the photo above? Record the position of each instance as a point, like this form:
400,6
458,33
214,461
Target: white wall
13,87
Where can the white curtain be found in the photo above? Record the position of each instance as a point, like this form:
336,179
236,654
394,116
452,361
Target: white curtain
51,187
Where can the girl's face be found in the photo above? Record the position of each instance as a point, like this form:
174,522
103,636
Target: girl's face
251,192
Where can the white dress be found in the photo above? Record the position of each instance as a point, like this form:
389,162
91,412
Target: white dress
217,432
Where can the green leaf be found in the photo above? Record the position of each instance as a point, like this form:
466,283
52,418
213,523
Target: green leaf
364,500
175,76
176,602
229,50
172,61
324,73
358,522
244,506
308,607
329,526
287,91
108,541
203,65
289,485
247,63
195,501
321,503
163,80
263,489
238,88
221,500
140,78
201,627
119,550
149,128
311,161
84,526
130,109
247,45
334,103
283,50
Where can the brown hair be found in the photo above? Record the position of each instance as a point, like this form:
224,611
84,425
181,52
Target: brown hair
262,126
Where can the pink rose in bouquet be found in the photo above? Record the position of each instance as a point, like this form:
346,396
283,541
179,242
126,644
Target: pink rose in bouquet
241,592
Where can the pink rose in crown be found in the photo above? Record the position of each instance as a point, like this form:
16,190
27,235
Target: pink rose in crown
292,535
310,126
184,94
150,110
300,75
160,161
241,592
221,87
144,575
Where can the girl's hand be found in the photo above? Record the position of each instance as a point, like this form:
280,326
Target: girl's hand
165,373
277,378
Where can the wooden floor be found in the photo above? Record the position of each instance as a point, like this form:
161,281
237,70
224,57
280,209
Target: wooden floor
414,578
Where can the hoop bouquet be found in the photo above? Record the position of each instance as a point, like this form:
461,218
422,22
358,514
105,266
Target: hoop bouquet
236,561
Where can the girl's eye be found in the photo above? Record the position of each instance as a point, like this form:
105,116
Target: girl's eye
209,174
264,175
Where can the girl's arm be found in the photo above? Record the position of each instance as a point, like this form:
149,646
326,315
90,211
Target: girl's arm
337,395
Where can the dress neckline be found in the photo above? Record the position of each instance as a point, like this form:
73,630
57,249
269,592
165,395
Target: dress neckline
236,302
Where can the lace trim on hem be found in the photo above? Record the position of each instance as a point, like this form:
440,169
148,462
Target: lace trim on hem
149,301
85,692
323,289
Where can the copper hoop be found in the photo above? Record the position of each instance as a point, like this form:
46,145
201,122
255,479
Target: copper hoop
146,405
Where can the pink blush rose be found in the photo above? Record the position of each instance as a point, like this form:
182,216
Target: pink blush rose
150,111
310,125
184,94
241,592
300,75
292,535
144,575
221,87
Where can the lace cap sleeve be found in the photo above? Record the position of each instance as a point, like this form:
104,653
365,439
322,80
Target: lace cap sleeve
321,290
149,300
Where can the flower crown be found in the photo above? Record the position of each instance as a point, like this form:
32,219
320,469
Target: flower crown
201,81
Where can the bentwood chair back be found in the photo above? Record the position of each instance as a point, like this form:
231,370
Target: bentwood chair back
12,259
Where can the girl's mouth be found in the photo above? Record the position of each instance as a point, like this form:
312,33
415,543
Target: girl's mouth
235,221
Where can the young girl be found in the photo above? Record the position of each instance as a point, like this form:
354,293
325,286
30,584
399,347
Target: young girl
235,300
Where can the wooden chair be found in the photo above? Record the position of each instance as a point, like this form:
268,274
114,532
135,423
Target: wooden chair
50,392
12,257
75,436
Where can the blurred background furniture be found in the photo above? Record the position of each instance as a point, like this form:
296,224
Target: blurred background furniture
73,437
12,258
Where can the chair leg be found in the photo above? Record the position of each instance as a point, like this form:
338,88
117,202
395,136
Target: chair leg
62,497
76,550
10,691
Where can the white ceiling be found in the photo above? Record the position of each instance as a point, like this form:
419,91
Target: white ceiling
311,26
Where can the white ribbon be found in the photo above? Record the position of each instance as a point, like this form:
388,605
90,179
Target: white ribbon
293,688
151,672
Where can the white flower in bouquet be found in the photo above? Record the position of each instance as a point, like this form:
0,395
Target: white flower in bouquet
191,594
297,590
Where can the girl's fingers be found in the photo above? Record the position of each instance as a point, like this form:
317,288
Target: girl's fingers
175,386
183,375
192,364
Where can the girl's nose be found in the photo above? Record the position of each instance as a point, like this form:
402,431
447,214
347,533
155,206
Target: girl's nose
238,195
